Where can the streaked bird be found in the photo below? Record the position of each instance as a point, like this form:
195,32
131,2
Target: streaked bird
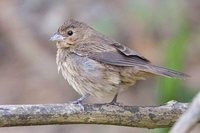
96,65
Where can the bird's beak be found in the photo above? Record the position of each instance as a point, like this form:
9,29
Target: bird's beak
57,37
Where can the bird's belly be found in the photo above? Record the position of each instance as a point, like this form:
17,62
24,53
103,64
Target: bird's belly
88,76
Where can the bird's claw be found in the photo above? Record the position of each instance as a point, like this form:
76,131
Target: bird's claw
115,103
79,103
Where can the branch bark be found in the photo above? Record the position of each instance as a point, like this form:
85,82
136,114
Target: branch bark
132,116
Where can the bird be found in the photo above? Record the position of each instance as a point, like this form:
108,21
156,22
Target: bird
97,65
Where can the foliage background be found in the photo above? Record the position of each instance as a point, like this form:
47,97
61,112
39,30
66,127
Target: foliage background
166,32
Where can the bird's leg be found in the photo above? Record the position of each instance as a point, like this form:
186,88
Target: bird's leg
114,101
80,100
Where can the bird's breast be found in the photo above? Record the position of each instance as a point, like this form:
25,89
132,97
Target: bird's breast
86,75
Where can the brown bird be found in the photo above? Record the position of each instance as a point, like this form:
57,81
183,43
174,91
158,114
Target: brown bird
94,64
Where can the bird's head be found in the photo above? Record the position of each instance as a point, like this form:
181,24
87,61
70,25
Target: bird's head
70,33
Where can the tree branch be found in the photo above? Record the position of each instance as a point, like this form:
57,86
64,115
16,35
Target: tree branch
189,119
133,116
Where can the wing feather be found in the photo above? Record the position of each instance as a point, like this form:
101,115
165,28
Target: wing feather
113,54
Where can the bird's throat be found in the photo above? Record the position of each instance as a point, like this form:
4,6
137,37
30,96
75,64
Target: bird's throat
62,44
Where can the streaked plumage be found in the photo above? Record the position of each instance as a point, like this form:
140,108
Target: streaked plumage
98,65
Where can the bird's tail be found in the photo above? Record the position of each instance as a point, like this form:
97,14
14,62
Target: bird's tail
158,70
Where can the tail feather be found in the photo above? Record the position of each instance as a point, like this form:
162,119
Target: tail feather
158,70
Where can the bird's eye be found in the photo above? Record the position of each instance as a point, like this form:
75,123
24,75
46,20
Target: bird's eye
70,33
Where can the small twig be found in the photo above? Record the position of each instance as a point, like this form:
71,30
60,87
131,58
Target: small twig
133,116
189,119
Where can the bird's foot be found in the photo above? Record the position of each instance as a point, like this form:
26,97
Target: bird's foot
116,103
80,101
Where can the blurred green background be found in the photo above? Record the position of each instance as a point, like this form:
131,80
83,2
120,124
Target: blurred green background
165,32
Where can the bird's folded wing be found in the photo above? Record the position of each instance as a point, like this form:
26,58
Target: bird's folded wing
113,54
128,52
119,55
